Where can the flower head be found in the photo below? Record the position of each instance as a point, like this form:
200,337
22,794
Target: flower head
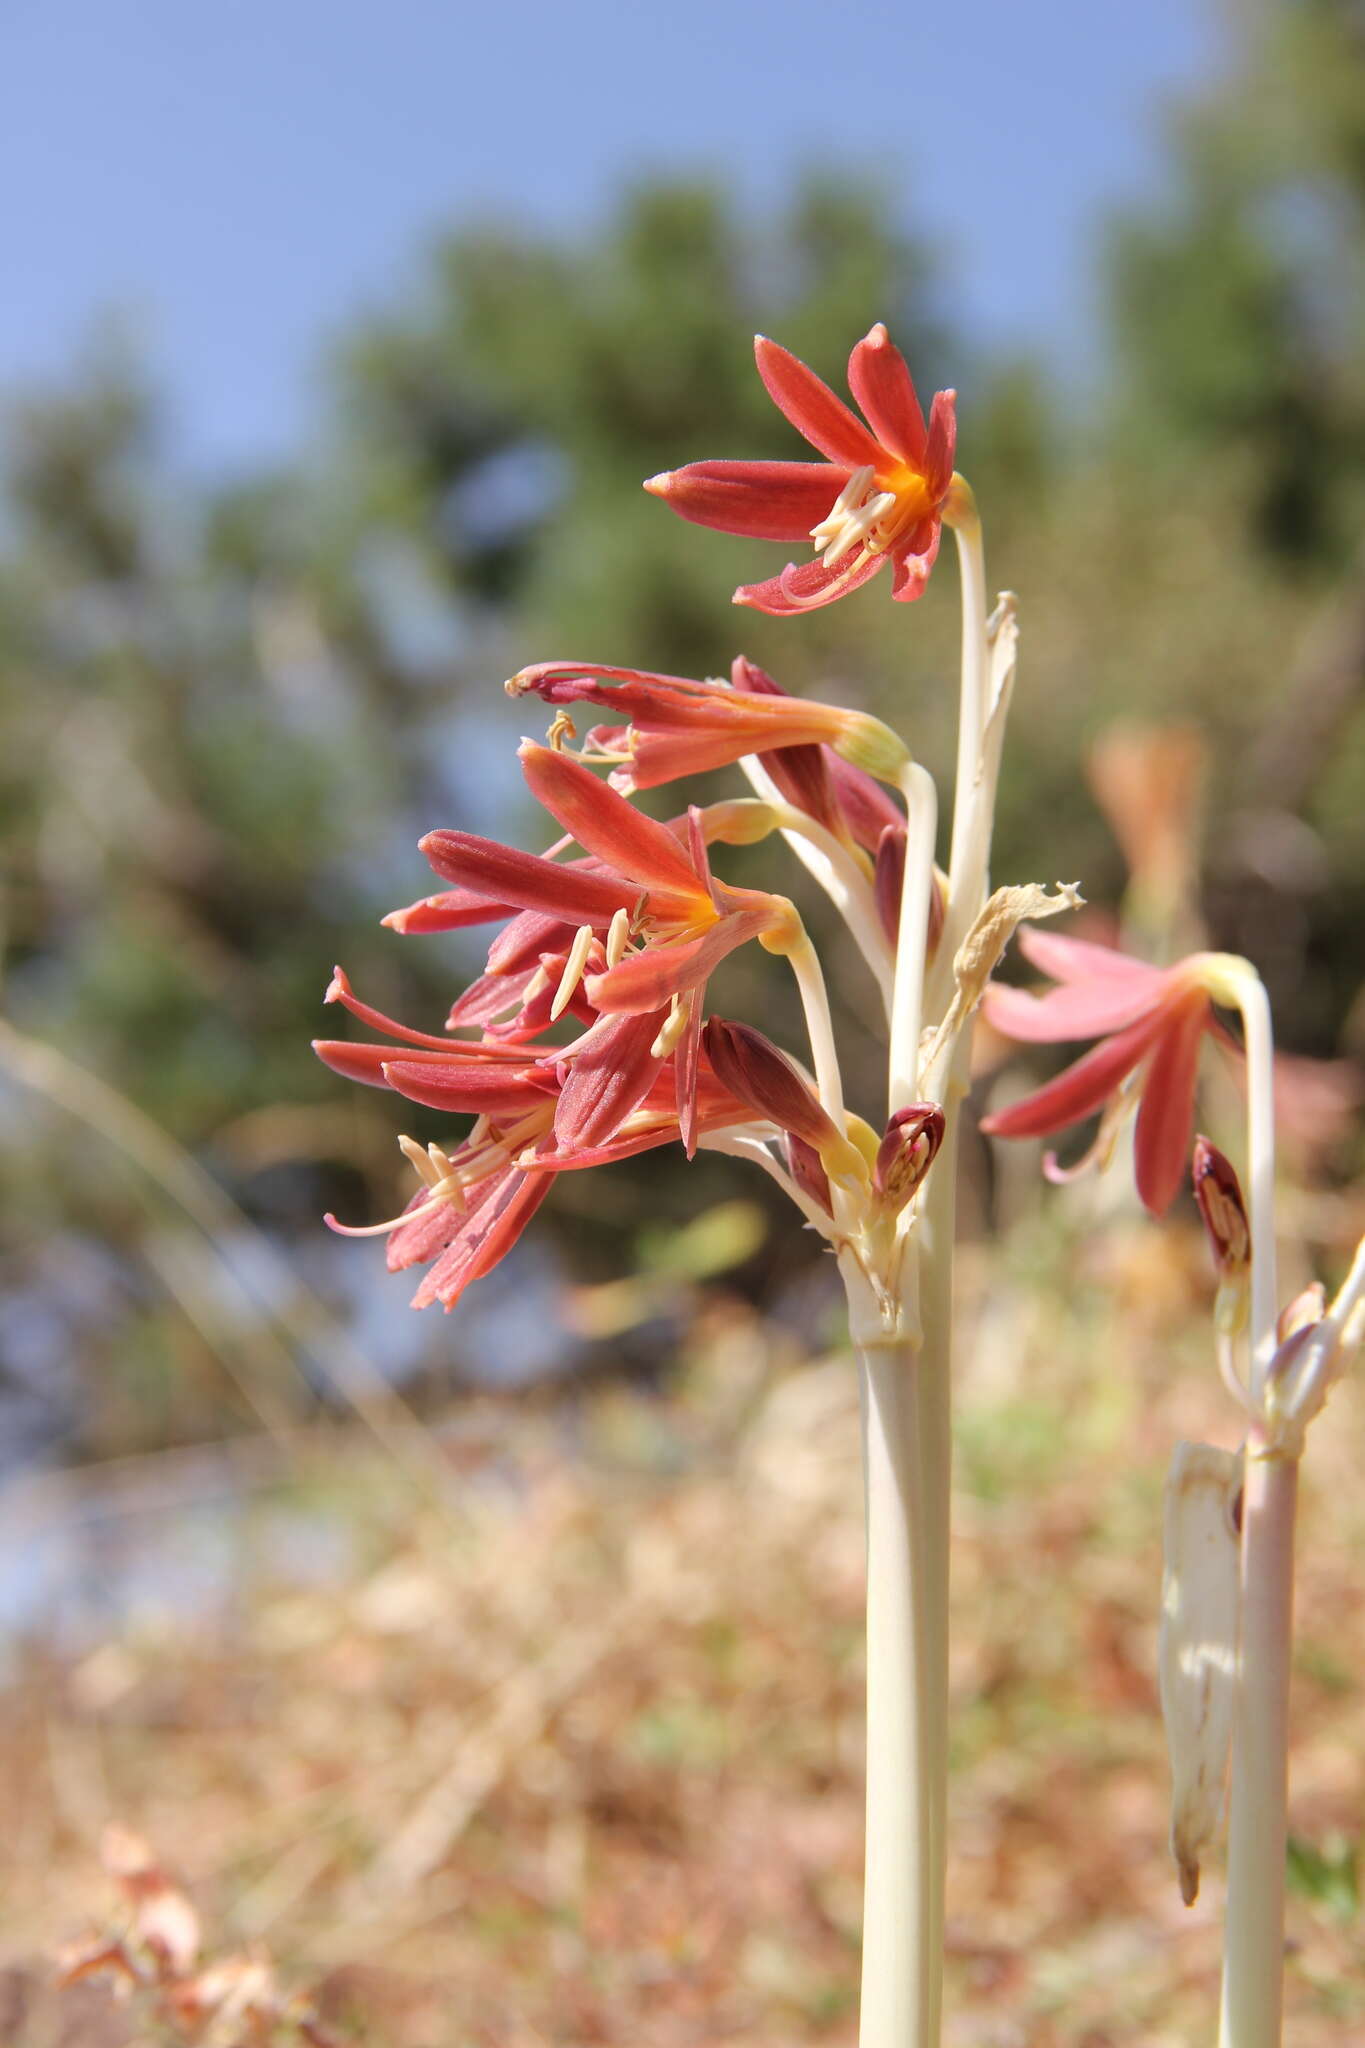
1150,1022
879,496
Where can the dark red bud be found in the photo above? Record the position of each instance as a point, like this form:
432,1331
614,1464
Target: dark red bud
801,773
1219,1195
803,1164
759,1073
906,1153
889,879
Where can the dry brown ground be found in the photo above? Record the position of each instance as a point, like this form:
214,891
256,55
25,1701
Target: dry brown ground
575,1757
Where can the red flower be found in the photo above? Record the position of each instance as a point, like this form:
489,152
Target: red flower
680,727
878,496
475,1200
1148,1017
623,939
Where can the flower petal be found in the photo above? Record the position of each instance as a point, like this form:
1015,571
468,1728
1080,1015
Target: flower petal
606,825
484,1237
824,420
1075,1010
766,500
1068,959
686,1065
518,948
938,461
339,991
867,806
1165,1122
806,586
607,1079
650,979
910,574
527,879
466,1088
450,911
881,382
1078,1090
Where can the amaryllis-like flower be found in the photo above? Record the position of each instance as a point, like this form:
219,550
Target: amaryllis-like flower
878,496
1150,1021
679,727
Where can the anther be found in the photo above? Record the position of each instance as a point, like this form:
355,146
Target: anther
561,728
418,1158
573,971
673,1028
618,937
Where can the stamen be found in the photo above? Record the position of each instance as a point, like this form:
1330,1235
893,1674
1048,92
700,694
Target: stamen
672,1030
618,937
418,1158
536,986
832,524
573,970
561,728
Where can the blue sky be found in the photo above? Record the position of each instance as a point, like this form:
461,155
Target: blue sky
235,180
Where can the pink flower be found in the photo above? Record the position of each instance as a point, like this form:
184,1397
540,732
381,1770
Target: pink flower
878,496
1146,1017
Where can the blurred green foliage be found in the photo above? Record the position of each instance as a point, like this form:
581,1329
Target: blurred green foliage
225,714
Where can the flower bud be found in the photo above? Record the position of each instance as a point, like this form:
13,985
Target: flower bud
906,1153
1218,1193
803,1164
759,1073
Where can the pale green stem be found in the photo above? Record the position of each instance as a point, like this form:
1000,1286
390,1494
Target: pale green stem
907,1002
810,981
934,1388
1254,1005
834,868
908,1397
902,1959
972,703
1258,1806
1253,1942
752,1145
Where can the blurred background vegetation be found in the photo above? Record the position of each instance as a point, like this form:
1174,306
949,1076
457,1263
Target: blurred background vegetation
227,714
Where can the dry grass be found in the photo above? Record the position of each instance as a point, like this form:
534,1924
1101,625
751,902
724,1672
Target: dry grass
575,1758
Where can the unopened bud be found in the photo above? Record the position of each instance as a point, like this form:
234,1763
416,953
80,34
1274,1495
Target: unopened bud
889,879
760,1074
1302,1312
1218,1193
906,1153
803,1164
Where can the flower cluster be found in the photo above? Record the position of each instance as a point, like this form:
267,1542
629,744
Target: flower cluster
620,941
616,940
